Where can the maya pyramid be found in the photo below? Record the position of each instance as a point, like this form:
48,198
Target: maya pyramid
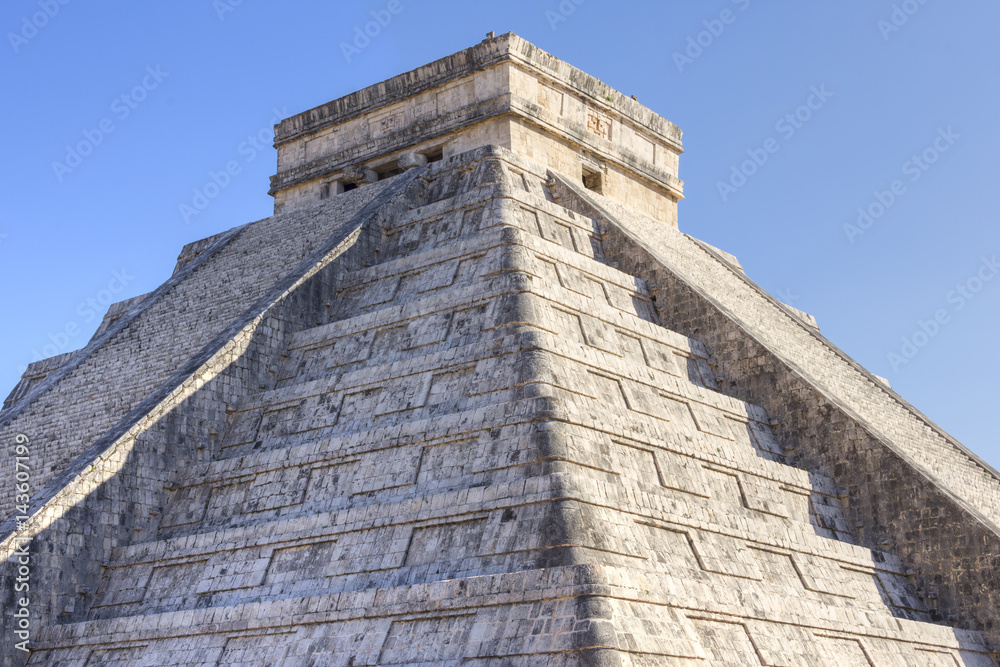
469,398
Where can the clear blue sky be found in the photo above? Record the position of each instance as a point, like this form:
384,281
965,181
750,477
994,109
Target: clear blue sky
920,80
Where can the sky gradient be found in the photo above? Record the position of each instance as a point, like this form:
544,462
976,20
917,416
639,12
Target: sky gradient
844,152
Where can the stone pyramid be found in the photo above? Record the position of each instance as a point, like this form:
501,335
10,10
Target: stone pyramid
469,398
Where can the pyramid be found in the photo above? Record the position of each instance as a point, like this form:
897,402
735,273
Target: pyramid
470,398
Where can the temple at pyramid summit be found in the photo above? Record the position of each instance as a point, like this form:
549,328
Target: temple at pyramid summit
470,398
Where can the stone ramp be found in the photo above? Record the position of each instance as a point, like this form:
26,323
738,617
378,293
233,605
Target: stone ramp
495,453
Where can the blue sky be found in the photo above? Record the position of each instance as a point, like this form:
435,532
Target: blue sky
870,199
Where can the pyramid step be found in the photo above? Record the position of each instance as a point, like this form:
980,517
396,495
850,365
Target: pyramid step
434,385
406,278
360,548
498,248
649,362
364,468
338,628
329,473
445,623
378,370
556,224
444,221
475,375
465,533
393,334
453,622
376,465
464,315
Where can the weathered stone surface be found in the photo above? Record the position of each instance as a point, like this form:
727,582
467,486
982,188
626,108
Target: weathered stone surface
477,413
